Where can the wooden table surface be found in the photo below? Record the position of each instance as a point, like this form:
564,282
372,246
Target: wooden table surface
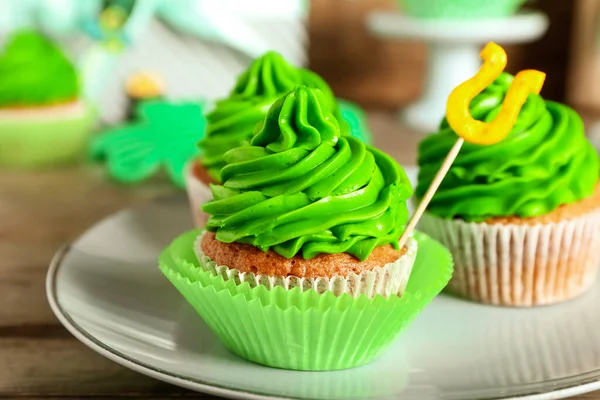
39,212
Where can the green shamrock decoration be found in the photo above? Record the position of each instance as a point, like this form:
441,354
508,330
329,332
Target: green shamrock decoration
164,135
356,118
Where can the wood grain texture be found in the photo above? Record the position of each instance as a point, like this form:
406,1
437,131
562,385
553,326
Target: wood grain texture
383,73
375,72
551,53
584,78
39,211
65,367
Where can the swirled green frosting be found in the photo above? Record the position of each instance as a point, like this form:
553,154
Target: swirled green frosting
233,120
302,185
34,72
544,162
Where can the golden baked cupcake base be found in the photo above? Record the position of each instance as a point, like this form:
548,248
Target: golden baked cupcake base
385,272
247,258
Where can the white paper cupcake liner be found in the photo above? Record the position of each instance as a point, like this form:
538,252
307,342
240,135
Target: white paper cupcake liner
198,193
520,265
386,280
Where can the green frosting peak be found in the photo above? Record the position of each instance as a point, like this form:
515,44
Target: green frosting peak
544,162
303,186
300,119
234,119
34,72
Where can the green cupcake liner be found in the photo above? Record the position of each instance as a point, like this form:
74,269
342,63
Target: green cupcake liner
298,330
460,9
37,142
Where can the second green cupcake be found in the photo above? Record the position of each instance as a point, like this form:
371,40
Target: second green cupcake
521,216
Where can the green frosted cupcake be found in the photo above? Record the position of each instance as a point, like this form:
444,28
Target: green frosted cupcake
460,9
302,245
521,216
42,119
233,120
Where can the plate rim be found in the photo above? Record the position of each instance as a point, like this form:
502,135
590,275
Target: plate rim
124,360
592,383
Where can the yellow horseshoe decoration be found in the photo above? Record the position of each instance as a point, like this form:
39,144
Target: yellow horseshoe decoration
457,108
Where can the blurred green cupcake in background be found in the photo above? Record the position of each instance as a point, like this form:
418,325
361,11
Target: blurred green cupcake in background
460,9
42,119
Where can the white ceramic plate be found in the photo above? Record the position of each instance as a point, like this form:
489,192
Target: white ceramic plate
108,292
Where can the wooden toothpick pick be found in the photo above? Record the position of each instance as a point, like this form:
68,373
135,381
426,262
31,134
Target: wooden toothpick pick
435,184
466,127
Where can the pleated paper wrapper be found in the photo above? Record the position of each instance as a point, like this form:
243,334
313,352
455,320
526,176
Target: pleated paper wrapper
520,265
386,280
198,193
303,330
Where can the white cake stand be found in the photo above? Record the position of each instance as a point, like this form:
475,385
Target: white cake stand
594,134
454,47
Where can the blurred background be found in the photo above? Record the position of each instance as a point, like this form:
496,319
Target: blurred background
392,63
330,36
354,61
383,55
